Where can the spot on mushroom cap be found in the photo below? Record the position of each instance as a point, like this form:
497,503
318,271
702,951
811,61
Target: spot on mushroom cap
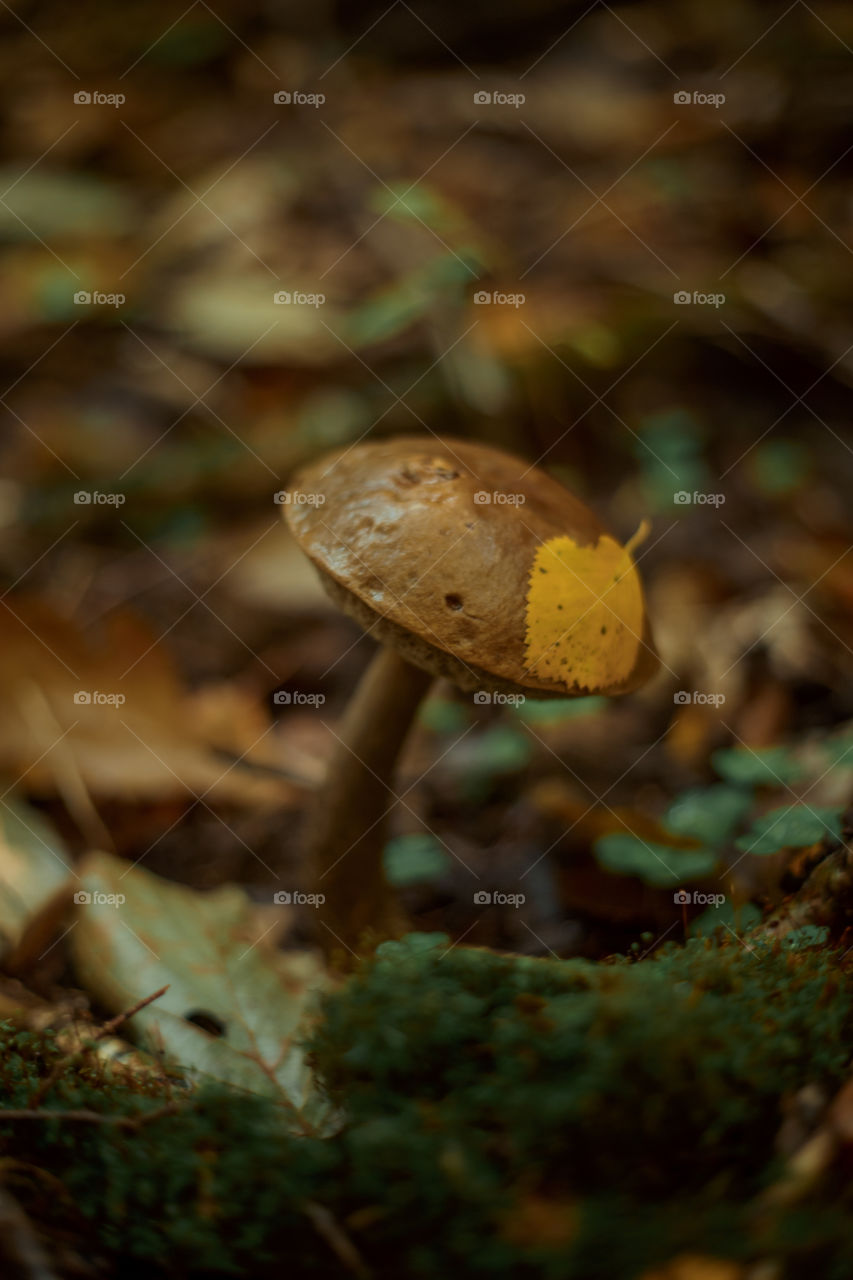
434,545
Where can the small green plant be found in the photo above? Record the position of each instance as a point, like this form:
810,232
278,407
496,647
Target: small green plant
703,822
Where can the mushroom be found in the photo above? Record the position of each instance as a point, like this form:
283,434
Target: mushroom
435,547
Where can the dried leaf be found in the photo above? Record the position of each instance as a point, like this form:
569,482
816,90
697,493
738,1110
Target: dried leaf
112,717
235,1005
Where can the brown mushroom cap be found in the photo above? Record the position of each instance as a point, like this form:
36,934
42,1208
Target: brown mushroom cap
404,545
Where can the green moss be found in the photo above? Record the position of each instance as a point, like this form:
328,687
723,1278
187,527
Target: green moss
500,1117
572,1081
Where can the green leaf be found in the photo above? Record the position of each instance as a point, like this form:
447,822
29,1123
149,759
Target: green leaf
386,314
657,865
791,826
780,466
709,814
838,750
669,451
138,932
441,715
414,859
758,767
501,750
555,710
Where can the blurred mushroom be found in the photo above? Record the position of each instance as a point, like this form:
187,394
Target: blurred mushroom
431,546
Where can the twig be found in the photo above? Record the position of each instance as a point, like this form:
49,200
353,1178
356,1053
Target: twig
114,1023
326,1226
71,1059
84,1116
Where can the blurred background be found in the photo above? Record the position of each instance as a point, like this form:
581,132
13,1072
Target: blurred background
614,239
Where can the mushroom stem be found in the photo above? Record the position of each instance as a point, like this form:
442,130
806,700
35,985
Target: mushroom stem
347,832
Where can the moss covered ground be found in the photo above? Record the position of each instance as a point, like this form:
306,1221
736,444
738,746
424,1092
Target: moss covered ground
497,1117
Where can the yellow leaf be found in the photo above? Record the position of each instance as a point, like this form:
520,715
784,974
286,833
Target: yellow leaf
584,612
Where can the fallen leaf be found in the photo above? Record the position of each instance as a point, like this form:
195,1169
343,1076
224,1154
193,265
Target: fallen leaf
235,1007
584,613
110,716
